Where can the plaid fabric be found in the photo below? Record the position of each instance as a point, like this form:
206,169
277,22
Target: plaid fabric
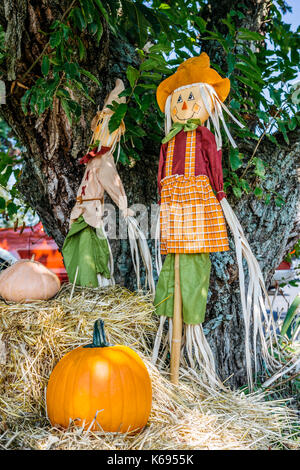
191,217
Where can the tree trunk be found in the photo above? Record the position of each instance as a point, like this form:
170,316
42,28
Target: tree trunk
51,173
268,229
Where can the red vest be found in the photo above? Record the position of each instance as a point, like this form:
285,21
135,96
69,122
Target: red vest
208,159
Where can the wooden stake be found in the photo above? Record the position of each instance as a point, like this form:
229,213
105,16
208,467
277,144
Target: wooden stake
177,325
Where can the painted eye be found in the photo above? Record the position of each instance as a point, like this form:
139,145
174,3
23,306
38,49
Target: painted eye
179,99
191,97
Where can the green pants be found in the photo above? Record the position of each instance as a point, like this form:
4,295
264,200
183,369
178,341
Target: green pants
194,270
83,248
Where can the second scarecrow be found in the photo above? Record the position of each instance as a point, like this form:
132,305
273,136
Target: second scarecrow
86,250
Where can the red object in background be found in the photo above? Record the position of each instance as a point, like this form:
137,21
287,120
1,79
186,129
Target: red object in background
284,265
34,241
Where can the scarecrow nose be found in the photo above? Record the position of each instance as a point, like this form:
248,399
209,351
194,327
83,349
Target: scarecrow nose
184,106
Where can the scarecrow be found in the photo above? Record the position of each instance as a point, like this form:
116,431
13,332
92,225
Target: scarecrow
86,250
193,209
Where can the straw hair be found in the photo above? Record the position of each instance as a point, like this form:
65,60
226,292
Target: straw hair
100,122
33,337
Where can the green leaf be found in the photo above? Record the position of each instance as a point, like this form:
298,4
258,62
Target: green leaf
149,64
281,125
147,100
72,70
117,117
93,28
90,76
259,167
249,83
79,19
231,60
275,95
45,65
151,76
290,316
251,61
267,198
237,191
100,29
247,35
12,209
66,108
106,15
250,72
75,109
235,105
201,23
160,48
258,192
125,92
279,201
55,24
25,100
148,86
2,203
272,138
135,130
63,93
82,51
235,159
229,24
55,39
292,123
87,7
4,177
123,157
164,6
245,185
132,75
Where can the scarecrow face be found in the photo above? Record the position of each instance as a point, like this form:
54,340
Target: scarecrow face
101,131
188,104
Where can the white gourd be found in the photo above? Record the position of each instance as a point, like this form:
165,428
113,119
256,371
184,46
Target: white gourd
28,280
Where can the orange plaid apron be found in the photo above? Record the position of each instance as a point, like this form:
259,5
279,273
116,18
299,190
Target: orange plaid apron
191,217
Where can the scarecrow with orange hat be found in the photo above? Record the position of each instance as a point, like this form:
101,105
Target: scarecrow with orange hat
193,209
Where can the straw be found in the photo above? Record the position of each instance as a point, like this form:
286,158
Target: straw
33,337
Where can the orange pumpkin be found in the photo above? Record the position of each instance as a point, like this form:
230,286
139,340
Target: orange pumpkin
28,280
100,385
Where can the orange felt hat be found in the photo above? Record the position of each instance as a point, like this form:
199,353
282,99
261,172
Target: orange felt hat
193,70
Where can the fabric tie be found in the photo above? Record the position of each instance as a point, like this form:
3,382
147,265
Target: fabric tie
189,125
92,154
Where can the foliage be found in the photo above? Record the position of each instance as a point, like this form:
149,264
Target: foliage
260,67
292,320
295,253
10,170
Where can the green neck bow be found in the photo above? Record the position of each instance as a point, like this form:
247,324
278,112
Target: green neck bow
189,125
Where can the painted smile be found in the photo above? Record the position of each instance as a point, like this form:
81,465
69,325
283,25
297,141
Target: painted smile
184,119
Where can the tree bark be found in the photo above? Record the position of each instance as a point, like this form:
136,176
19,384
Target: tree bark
51,173
268,228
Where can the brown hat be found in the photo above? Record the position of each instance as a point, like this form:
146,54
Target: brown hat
193,70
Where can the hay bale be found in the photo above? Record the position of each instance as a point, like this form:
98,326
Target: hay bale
33,337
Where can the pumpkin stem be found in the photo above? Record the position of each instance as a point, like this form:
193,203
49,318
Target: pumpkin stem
99,337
